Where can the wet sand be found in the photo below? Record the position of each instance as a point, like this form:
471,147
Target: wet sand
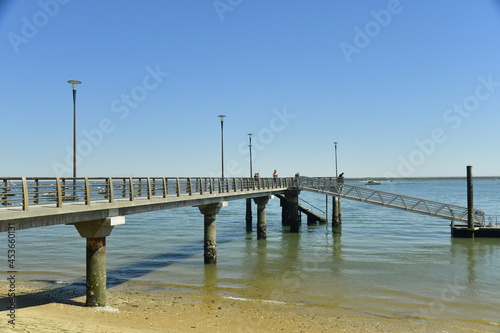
44,308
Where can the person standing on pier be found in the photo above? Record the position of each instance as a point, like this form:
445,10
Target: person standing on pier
275,176
256,179
340,178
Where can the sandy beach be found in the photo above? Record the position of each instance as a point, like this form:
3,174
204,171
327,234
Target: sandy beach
62,309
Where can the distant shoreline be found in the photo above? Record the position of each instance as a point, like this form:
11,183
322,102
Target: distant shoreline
413,178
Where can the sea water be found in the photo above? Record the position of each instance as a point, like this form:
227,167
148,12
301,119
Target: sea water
382,262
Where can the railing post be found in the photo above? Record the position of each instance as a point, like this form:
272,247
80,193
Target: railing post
63,188
4,192
124,188
26,198
139,190
131,189
200,182
178,187
211,185
148,184
153,187
58,192
36,193
87,191
165,187
189,186
111,191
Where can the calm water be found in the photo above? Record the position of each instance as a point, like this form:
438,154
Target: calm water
385,262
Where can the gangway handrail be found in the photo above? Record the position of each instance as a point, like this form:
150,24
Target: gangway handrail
310,204
392,200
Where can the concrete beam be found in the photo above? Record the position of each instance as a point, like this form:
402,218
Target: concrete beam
47,215
98,228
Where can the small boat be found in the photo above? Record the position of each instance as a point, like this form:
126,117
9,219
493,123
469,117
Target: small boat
372,182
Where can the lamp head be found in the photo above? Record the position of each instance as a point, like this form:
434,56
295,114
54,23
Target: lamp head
74,83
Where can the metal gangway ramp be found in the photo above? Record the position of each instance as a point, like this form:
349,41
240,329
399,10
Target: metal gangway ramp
392,200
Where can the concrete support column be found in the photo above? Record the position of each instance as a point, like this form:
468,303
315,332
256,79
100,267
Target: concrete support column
336,211
284,212
248,216
96,232
96,271
261,217
210,236
293,210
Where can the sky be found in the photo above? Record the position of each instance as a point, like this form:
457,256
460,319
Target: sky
406,88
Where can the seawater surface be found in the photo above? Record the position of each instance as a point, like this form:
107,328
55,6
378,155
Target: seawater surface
383,262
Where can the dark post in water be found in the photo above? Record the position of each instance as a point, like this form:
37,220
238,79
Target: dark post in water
336,212
292,197
261,217
248,216
470,199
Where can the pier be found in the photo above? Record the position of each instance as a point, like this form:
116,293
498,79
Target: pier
94,206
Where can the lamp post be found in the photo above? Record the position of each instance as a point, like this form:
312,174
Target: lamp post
336,203
221,116
250,147
248,215
336,170
74,83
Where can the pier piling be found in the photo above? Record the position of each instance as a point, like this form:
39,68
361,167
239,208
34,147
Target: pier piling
261,216
248,216
96,232
96,271
336,211
293,218
210,236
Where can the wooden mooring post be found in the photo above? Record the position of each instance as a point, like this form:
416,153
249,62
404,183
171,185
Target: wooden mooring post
336,211
470,230
473,229
470,200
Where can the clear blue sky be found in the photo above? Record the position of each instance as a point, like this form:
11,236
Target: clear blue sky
407,88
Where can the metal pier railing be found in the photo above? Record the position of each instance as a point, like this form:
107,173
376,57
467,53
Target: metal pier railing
392,200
